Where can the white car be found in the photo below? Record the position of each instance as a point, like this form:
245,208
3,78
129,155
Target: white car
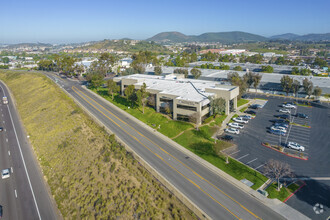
246,117
295,146
5,173
289,106
240,120
284,110
278,128
236,125
232,130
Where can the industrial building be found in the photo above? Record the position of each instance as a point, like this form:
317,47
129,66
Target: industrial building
184,97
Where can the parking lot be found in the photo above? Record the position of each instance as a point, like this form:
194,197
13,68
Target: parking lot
312,133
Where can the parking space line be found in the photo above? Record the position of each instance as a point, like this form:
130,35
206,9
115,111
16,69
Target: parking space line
243,156
252,161
234,152
260,166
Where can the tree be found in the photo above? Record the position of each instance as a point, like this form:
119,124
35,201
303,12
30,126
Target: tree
128,71
129,93
95,79
248,77
236,80
256,81
276,170
317,92
181,71
139,68
238,68
5,60
112,87
295,87
217,105
167,108
158,70
286,83
104,64
195,118
308,87
196,73
142,96
267,69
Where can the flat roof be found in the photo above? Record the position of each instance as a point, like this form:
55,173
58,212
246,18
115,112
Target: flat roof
184,89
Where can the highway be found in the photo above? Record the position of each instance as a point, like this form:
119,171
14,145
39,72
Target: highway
24,194
213,194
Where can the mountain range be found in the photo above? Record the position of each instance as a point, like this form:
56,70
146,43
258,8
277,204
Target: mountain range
232,37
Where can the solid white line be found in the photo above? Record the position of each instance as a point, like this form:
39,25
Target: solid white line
15,193
9,153
260,166
251,161
12,170
20,150
243,156
234,152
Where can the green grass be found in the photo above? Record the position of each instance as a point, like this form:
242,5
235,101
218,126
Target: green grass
242,102
283,193
201,143
152,118
219,119
231,120
243,109
305,105
90,175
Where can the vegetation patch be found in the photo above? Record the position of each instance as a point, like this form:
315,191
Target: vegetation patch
242,102
91,176
243,109
284,193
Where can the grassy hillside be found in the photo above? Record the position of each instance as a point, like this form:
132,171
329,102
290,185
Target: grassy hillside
89,173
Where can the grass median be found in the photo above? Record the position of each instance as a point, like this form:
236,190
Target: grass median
90,174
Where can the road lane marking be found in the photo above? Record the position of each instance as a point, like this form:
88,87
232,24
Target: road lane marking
15,193
260,166
252,161
79,91
234,152
9,153
161,159
12,170
6,139
20,150
243,156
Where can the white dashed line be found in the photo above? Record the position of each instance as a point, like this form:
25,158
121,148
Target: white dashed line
260,166
9,153
12,170
234,152
15,193
243,156
252,160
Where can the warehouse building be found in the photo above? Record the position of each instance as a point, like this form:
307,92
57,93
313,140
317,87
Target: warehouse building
183,97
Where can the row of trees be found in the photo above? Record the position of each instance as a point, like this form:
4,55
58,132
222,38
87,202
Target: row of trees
292,85
195,72
303,71
244,82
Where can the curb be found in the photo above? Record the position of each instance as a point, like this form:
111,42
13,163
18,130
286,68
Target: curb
283,152
294,192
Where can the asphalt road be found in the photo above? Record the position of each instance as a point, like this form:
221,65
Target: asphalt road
315,171
24,194
214,195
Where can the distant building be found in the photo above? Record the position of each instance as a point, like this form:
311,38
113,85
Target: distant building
184,97
126,62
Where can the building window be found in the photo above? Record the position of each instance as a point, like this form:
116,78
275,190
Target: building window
182,117
190,108
205,106
165,99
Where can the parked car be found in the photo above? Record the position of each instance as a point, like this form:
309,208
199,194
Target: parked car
255,106
5,173
277,132
301,115
232,130
278,128
279,121
251,112
295,146
284,110
285,125
227,138
0,211
246,117
282,116
1,129
290,103
240,120
236,125
290,106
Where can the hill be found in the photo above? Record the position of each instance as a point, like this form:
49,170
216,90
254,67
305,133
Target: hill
306,37
222,37
127,45
11,46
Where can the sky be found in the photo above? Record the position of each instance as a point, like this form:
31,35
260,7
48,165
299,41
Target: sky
73,21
